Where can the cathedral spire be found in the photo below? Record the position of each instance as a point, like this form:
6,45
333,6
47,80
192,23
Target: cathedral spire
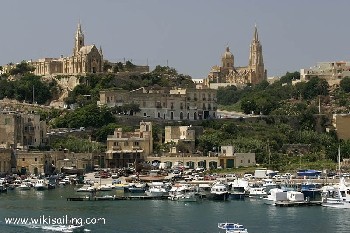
78,40
256,36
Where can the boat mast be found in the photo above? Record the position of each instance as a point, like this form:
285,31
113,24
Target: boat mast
339,158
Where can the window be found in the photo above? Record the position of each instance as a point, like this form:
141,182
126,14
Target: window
23,159
248,160
7,121
241,161
136,143
35,159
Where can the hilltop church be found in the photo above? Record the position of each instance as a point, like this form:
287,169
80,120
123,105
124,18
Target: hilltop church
85,59
228,74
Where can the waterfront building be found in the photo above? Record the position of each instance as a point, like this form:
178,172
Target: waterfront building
224,158
332,72
162,103
5,161
38,162
31,162
228,74
228,158
21,130
124,148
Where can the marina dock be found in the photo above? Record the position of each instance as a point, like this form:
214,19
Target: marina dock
297,203
116,198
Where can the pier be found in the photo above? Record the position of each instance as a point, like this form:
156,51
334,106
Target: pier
297,203
116,198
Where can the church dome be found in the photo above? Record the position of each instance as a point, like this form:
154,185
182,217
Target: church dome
227,53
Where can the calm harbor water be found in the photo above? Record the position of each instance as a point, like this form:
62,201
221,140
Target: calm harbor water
148,216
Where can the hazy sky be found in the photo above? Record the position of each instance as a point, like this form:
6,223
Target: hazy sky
190,34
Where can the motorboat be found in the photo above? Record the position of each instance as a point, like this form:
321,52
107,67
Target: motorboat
40,185
157,191
105,187
336,196
25,186
182,193
274,196
137,187
232,227
238,189
269,184
219,191
311,191
257,192
86,188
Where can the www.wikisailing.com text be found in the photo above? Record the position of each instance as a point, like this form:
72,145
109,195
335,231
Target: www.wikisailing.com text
48,220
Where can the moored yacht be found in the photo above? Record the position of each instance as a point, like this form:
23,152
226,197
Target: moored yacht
40,184
274,196
219,191
337,196
232,227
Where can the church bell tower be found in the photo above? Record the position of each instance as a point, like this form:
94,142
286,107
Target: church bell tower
256,62
79,40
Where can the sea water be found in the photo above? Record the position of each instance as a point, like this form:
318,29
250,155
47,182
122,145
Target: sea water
148,216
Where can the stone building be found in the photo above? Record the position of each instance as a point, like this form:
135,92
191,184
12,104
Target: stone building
174,104
39,162
5,161
228,158
124,148
185,135
332,72
21,130
11,133
341,124
228,74
85,59
31,162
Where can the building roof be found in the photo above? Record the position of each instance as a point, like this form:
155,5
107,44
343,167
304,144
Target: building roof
86,49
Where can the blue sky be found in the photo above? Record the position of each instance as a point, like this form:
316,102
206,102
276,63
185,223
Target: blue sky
190,35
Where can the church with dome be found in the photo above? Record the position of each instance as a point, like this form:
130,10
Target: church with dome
228,74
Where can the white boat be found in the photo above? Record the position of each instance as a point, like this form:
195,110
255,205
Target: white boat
337,196
232,227
274,196
25,186
257,192
86,188
269,184
182,193
156,191
105,187
219,191
40,184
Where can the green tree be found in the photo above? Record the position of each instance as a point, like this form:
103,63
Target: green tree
22,68
129,65
345,84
